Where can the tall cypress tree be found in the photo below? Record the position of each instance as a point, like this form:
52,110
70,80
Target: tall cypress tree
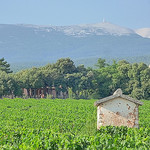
4,66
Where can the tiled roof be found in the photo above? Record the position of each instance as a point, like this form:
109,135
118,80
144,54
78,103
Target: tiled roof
118,94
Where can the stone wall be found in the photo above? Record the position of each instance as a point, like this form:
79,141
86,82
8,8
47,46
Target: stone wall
117,112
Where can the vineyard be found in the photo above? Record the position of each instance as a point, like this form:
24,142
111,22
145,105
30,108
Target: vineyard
65,124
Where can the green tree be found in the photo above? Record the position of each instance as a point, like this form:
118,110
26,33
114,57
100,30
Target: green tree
123,68
145,83
8,85
65,65
101,63
106,80
72,81
31,79
4,66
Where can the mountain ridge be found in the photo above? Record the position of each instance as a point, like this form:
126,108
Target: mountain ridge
31,43
97,28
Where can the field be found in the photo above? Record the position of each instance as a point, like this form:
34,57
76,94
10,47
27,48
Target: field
65,124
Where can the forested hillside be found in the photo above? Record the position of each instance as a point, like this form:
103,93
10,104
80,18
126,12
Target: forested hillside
87,62
78,81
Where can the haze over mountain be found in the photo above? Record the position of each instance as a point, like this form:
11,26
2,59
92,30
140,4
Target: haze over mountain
34,43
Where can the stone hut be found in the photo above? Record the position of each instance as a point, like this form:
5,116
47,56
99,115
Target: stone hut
118,110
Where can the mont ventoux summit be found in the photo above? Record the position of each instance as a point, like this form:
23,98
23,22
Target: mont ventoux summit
20,43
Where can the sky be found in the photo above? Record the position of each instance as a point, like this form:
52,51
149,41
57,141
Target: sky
127,13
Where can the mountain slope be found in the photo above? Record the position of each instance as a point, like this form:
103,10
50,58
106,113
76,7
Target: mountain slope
32,43
144,32
104,28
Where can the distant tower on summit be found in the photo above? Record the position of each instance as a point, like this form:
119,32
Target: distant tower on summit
103,20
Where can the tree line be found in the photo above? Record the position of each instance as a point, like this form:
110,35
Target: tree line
79,82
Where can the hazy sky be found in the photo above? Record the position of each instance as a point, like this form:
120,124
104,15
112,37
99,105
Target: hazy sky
129,13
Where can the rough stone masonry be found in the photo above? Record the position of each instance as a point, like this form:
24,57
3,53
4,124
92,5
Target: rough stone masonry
118,110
